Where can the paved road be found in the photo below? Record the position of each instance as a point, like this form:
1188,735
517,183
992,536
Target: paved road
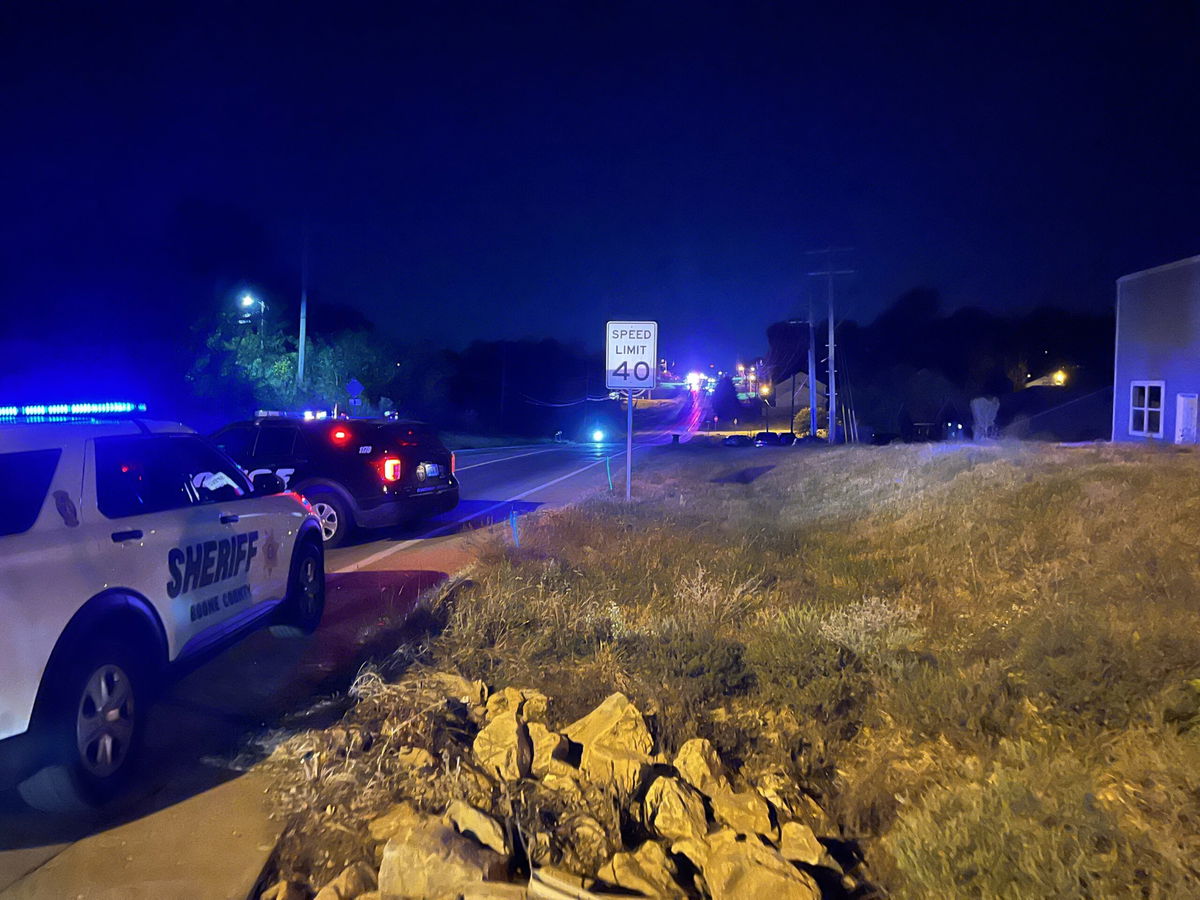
494,484
267,683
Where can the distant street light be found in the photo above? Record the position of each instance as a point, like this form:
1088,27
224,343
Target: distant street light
248,302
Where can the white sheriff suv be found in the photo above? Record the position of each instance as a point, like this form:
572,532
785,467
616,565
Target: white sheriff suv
127,547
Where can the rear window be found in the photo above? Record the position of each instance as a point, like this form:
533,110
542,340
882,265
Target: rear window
413,433
236,440
24,479
275,444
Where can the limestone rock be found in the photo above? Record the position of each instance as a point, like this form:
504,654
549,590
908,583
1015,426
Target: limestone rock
383,827
539,849
352,883
740,866
780,791
415,758
426,858
797,843
479,825
694,849
615,723
495,890
674,811
745,812
810,811
623,769
616,743
503,747
284,890
549,748
453,685
700,766
529,704
557,883
647,871
584,843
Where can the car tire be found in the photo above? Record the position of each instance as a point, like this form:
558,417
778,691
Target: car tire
93,722
336,519
305,603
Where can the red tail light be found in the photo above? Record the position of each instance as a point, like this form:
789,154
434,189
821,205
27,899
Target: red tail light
453,463
340,435
391,469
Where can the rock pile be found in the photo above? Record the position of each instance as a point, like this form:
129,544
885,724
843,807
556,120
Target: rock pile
586,811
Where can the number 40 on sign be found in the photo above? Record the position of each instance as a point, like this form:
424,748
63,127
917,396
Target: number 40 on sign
631,355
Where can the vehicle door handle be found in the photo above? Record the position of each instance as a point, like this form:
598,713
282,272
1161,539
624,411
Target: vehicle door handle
228,520
134,534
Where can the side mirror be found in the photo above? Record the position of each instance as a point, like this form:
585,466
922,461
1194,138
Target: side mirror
266,483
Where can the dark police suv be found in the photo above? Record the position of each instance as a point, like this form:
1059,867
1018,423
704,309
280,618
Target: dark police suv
355,472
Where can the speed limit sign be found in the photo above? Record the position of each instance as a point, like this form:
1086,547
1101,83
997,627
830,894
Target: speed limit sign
631,356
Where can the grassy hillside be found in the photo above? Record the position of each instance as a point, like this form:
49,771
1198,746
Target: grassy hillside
982,662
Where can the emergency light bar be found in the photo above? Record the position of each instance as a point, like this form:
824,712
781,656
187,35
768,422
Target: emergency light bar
62,411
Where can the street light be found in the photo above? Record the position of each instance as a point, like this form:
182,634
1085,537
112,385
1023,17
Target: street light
764,391
248,303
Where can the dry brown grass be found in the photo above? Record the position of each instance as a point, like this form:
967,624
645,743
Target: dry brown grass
964,652
980,660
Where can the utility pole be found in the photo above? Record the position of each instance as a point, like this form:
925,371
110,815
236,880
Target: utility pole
812,371
303,309
792,420
829,273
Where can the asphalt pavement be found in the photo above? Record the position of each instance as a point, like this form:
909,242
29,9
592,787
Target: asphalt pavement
217,719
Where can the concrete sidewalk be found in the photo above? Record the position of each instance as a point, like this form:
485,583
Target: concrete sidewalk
212,846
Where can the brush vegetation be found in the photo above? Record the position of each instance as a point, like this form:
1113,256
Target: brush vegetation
981,661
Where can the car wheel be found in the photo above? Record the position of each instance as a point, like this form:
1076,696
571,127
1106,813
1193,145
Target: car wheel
336,522
305,603
94,723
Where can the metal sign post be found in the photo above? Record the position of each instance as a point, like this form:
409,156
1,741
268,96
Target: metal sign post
631,364
629,447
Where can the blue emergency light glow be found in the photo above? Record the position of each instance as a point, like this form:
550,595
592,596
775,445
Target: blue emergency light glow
58,412
597,436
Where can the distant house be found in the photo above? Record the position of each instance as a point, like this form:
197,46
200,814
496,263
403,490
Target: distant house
1156,379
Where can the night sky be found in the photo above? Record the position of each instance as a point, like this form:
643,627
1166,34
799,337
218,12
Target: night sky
504,170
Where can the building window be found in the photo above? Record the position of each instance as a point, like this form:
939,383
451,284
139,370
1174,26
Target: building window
1146,408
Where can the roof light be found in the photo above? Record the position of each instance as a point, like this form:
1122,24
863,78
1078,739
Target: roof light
62,411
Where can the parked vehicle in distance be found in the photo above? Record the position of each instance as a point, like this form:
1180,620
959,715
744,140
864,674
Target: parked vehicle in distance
787,439
367,473
766,439
738,440
130,547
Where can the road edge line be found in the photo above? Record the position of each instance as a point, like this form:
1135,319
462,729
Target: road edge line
404,545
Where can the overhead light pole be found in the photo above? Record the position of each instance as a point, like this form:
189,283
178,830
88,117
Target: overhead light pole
303,310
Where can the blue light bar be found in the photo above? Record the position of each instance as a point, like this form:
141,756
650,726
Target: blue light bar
61,412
